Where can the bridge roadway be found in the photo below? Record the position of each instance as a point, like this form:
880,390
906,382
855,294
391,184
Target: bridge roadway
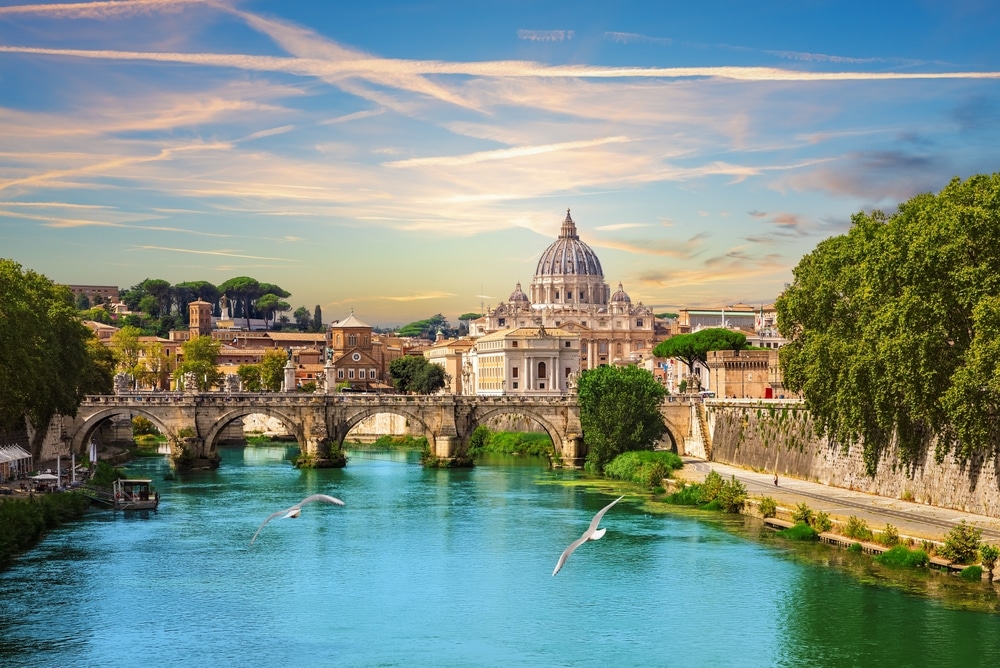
193,422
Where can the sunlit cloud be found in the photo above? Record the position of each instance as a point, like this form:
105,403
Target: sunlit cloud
100,10
636,38
503,154
416,297
620,226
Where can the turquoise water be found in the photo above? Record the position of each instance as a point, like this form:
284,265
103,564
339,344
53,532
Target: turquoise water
448,568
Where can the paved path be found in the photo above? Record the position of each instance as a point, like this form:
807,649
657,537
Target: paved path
910,519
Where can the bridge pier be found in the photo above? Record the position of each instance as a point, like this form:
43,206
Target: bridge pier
573,452
322,453
187,453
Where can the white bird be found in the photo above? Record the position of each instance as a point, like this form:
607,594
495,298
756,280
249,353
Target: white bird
296,510
592,533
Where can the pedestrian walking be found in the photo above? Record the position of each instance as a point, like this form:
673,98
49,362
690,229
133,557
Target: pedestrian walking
775,479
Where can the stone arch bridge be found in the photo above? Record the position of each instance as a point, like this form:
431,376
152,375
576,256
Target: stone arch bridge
193,422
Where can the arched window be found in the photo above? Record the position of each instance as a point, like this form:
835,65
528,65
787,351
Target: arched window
618,349
541,369
352,340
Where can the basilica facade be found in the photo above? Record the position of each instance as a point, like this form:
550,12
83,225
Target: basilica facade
569,292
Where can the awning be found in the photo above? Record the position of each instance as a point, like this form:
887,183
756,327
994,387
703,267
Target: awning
13,453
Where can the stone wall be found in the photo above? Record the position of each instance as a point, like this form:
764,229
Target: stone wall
780,436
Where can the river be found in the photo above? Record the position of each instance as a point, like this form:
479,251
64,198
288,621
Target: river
426,567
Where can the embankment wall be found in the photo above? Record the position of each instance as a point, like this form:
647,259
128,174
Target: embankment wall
782,438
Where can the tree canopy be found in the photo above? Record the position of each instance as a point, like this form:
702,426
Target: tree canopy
414,373
694,347
426,328
199,358
893,326
619,412
47,364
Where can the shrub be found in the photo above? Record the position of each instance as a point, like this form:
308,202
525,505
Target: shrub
907,495
801,531
822,522
854,547
480,439
972,573
768,507
732,496
404,442
105,474
889,536
961,545
687,495
711,487
900,556
644,467
988,554
802,514
857,528
142,426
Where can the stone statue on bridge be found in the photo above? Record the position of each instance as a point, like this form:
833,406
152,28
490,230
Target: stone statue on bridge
232,383
123,383
190,380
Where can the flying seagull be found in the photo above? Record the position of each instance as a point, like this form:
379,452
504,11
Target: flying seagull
592,533
296,510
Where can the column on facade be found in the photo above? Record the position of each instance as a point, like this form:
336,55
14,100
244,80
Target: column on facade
528,373
554,373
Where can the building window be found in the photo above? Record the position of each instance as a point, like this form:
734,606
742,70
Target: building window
557,295
501,322
568,372
541,386
371,374
581,294
541,369
513,372
361,374
567,344
515,384
352,340
638,323
618,349
350,374
513,344
340,374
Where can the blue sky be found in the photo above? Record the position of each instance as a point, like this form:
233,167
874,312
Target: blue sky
410,158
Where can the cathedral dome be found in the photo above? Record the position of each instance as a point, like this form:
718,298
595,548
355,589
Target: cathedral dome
568,255
518,295
621,296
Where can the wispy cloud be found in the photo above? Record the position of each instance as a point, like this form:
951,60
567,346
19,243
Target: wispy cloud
545,35
620,226
636,38
100,10
504,154
417,297
218,253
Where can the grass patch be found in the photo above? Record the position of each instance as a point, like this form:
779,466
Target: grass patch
800,531
485,441
901,556
406,442
643,467
972,573
688,495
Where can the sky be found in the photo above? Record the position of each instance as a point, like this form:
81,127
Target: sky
402,159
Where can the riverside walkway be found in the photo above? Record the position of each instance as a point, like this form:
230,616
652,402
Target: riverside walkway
916,520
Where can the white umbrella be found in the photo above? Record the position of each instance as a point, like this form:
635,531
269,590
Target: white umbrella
45,477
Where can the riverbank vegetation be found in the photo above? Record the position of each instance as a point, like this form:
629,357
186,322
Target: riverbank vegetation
894,327
643,467
714,493
486,441
23,522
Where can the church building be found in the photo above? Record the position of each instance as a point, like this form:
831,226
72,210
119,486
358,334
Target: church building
569,293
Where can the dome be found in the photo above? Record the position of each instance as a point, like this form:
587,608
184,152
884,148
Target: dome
518,295
621,296
568,255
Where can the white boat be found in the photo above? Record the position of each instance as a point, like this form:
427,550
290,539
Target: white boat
135,494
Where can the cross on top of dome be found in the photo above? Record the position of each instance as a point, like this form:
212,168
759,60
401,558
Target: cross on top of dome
568,230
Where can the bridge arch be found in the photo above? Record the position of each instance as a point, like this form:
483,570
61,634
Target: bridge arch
229,417
673,434
93,422
355,417
483,417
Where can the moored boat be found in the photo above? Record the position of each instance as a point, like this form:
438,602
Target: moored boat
135,494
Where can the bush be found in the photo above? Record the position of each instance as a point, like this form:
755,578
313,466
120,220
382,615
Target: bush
23,521
803,514
972,573
821,522
854,547
711,487
889,536
732,496
142,426
687,495
857,528
768,507
105,474
801,531
480,439
644,467
900,556
988,554
961,545
405,442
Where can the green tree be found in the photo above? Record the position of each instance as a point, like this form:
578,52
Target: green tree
189,291
250,377
694,347
302,319
425,328
413,373
162,291
270,304
199,355
243,291
46,367
99,377
127,347
988,555
893,326
82,302
272,369
151,305
619,412
155,365
317,320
